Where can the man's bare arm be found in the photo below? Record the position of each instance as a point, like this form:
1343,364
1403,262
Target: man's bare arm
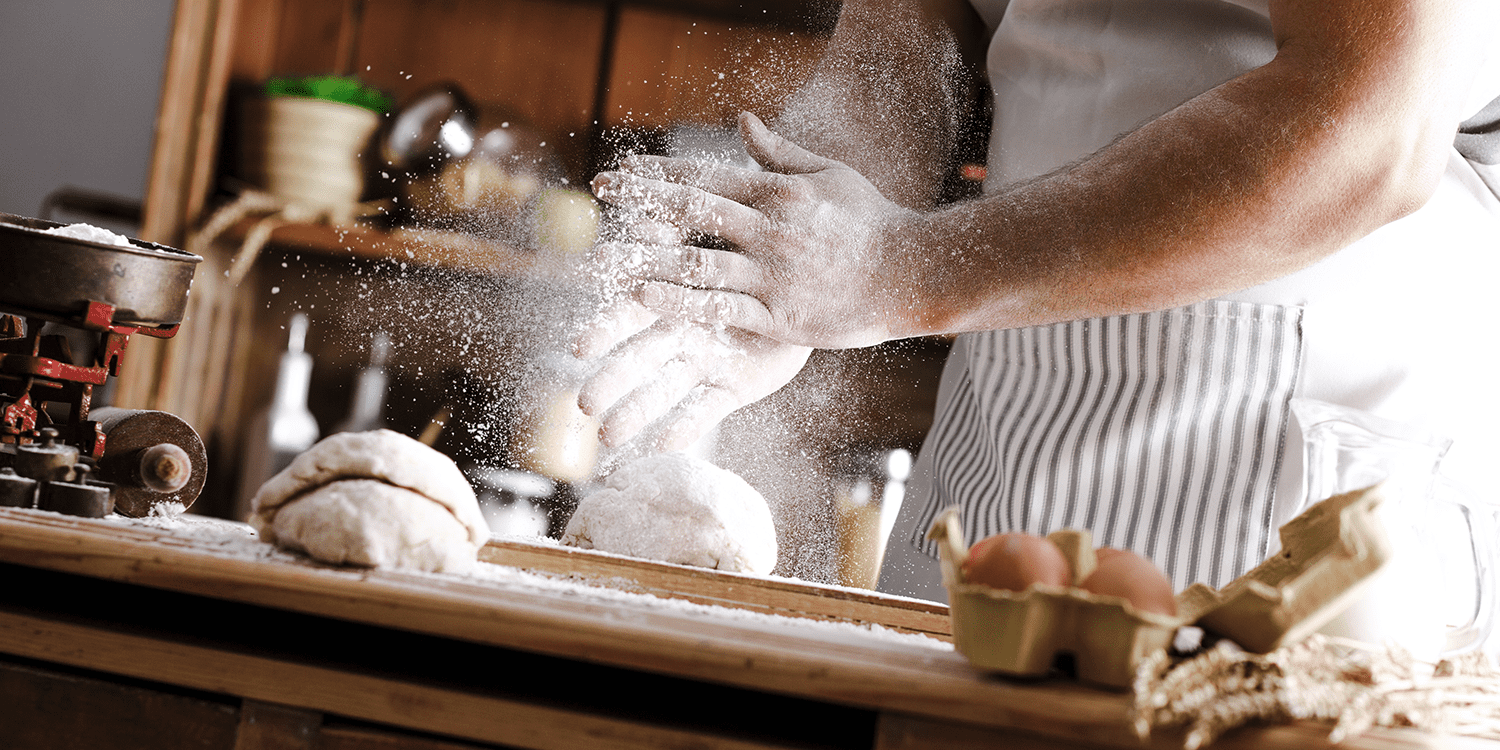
1348,128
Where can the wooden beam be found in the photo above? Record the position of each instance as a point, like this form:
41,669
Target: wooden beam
782,596
184,155
310,688
45,708
189,119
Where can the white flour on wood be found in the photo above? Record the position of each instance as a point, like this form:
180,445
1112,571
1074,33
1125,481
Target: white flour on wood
237,541
678,509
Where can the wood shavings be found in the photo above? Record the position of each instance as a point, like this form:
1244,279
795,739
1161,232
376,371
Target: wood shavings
1354,686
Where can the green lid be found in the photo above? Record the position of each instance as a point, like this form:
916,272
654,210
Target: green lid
346,90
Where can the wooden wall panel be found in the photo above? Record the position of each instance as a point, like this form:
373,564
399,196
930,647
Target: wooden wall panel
352,737
540,58
672,68
256,28
272,726
307,41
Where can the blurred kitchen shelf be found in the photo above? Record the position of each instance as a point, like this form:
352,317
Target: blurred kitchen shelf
577,70
815,16
433,248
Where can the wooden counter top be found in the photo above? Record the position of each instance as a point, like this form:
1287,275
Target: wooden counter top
919,691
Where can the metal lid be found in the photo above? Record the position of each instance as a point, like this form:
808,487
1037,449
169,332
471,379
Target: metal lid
436,125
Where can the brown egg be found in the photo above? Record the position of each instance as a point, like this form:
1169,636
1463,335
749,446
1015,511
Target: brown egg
1015,560
1131,577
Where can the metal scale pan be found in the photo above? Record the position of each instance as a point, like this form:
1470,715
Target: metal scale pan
140,459
53,277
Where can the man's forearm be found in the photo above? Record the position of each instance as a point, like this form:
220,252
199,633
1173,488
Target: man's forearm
1346,130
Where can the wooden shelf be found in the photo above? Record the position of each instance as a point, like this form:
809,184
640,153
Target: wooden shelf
434,248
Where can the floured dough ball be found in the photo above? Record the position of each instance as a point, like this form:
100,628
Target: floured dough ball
374,498
368,522
678,509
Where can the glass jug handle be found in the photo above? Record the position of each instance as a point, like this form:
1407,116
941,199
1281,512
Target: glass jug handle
1480,519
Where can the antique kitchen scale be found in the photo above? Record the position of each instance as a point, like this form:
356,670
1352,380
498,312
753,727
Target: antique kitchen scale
56,453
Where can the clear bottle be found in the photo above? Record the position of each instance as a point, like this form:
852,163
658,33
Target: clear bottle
367,410
284,429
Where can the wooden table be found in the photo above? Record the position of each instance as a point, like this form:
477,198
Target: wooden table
156,634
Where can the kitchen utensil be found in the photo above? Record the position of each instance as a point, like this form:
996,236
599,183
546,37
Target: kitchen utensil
152,458
54,277
435,125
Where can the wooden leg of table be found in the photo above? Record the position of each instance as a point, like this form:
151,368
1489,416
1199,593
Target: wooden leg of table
268,726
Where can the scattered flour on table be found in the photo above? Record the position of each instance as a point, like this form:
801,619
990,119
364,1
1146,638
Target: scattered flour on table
218,536
239,541
90,233
168,509
675,508
631,602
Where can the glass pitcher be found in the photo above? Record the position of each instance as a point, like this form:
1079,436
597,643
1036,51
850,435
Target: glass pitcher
1435,597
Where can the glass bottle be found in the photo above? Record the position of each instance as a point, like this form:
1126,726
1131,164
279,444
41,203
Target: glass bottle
367,410
284,429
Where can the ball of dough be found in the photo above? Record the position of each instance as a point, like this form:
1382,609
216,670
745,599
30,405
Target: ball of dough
375,498
675,508
378,454
368,522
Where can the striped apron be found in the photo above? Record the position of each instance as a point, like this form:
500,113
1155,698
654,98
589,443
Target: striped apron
1159,432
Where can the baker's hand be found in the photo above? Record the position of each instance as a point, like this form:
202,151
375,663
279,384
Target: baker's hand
613,270
814,264
692,374
682,378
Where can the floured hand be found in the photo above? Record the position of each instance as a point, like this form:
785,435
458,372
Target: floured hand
680,376
615,265
682,379
814,263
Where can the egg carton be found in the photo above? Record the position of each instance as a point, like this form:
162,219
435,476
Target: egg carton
1328,553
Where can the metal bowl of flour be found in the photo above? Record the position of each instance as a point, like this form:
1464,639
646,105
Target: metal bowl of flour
55,277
